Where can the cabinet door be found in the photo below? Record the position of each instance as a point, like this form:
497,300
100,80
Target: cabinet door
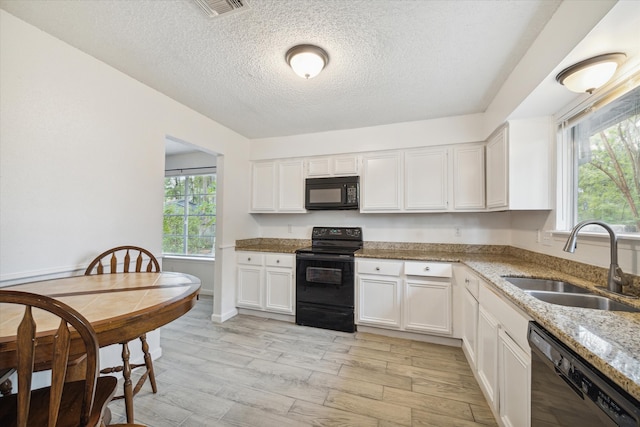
279,290
291,186
379,301
263,187
425,179
497,170
470,327
488,355
468,177
515,383
428,306
382,182
319,167
249,287
345,165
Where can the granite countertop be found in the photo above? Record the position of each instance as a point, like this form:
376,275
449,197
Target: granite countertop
608,340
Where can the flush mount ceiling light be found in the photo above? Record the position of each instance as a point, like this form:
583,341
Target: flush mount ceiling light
307,60
590,74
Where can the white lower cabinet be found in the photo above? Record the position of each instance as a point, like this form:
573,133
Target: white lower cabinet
515,382
379,301
265,282
503,364
378,293
470,324
487,367
250,280
279,289
427,306
410,296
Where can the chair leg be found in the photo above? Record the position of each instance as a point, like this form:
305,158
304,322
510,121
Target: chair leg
148,362
128,389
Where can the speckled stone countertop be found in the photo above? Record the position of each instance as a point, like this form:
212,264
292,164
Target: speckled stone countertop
284,246
608,340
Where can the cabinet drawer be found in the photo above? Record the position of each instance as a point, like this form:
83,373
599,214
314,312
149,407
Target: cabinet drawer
250,258
428,269
386,268
279,260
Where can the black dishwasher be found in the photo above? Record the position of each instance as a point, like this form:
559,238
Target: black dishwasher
568,391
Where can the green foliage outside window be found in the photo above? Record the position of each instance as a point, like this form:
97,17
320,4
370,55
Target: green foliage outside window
609,165
189,226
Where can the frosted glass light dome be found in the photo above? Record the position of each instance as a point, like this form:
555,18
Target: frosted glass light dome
307,60
590,74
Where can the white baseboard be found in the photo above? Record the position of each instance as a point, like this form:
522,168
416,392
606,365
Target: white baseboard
268,315
215,318
434,339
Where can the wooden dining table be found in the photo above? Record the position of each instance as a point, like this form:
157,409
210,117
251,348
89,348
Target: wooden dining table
120,307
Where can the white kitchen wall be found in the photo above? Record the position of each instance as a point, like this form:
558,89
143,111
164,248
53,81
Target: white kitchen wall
82,161
593,250
448,130
201,268
461,228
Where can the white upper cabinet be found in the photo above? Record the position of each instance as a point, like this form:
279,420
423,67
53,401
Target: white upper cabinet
263,186
497,172
468,177
424,180
319,167
382,182
291,186
344,165
425,177
519,165
277,186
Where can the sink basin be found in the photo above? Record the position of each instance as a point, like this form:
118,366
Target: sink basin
532,284
582,300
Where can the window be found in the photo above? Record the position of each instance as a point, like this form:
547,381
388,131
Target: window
606,170
189,226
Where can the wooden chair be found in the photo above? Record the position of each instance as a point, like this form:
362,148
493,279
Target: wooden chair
77,403
144,262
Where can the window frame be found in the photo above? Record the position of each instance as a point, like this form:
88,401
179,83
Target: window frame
566,152
185,215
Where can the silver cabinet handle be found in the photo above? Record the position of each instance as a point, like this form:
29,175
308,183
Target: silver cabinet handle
427,268
466,281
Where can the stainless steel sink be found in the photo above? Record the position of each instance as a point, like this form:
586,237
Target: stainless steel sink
533,284
582,300
563,293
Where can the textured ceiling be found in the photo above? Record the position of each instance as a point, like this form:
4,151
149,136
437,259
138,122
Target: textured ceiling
390,60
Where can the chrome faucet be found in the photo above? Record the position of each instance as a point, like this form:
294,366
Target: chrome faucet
616,278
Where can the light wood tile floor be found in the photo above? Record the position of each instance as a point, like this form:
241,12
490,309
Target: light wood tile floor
251,371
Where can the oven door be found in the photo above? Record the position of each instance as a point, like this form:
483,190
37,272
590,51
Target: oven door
325,279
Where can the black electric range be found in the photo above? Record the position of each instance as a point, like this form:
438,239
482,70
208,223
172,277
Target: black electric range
325,279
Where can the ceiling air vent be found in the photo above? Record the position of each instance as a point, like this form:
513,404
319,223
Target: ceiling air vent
218,7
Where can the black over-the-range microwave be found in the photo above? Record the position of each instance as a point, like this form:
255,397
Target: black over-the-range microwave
338,193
